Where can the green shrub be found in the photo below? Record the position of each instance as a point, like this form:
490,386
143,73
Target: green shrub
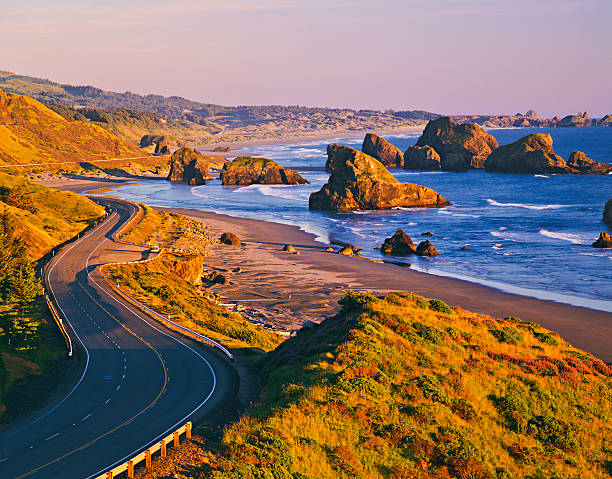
507,335
440,306
428,333
546,338
553,432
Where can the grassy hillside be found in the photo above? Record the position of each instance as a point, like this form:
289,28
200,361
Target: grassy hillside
404,387
192,121
44,217
132,125
31,133
160,285
33,219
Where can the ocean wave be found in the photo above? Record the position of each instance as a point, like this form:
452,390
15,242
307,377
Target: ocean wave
571,237
288,192
541,176
527,206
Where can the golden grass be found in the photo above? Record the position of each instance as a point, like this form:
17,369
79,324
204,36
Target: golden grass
393,388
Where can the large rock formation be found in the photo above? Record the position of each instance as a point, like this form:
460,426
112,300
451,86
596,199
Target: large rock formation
379,148
246,170
188,166
359,181
581,163
422,158
605,121
607,214
581,119
189,268
400,244
466,145
162,149
230,239
531,154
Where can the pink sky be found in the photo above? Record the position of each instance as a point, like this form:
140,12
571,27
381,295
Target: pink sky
446,56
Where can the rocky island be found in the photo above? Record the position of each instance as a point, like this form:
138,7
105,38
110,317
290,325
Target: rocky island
189,166
389,155
361,182
460,146
246,170
607,214
534,154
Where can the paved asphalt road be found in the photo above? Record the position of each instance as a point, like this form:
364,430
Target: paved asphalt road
140,381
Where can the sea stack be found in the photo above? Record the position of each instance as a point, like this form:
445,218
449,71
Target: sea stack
383,151
188,166
460,146
361,182
579,162
246,170
531,154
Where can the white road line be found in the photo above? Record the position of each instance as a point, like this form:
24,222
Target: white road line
2,460
107,401
118,388
51,437
86,417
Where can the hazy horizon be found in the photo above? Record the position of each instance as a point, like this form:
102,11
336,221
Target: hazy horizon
447,56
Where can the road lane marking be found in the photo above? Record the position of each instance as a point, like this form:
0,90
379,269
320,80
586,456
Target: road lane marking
51,437
107,401
118,388
2,460
86,417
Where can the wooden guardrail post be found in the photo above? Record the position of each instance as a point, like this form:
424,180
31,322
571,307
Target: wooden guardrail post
188,430
148,458
162,448
176,438
109,475
130,469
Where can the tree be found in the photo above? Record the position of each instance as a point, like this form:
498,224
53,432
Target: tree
18,282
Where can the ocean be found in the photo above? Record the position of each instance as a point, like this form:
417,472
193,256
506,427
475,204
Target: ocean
527,234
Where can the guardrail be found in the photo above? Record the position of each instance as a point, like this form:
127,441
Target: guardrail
60,324
148,453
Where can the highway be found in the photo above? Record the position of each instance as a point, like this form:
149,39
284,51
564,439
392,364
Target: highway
139,381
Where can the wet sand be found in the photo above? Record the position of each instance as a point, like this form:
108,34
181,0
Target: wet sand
307,286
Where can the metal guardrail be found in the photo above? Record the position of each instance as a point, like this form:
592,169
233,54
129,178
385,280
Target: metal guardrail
60,324
146,455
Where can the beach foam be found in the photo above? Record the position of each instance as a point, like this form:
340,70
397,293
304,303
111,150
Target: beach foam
526,206
570,237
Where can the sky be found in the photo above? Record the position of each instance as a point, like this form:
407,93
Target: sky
445,56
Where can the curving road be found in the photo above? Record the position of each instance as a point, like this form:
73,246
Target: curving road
140,381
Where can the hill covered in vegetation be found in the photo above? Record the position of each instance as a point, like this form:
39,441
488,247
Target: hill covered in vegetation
405,387
32,133
203,122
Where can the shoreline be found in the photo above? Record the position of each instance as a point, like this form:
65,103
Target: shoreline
585,328
241,144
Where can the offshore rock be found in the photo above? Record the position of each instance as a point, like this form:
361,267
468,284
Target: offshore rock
361,182
379,148
604,241
188,166
583,164
148,140
246,170
467,141
162,149
531,154
422,158
579,120
425,248
400,244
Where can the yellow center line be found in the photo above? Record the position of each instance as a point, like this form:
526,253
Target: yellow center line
161,392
